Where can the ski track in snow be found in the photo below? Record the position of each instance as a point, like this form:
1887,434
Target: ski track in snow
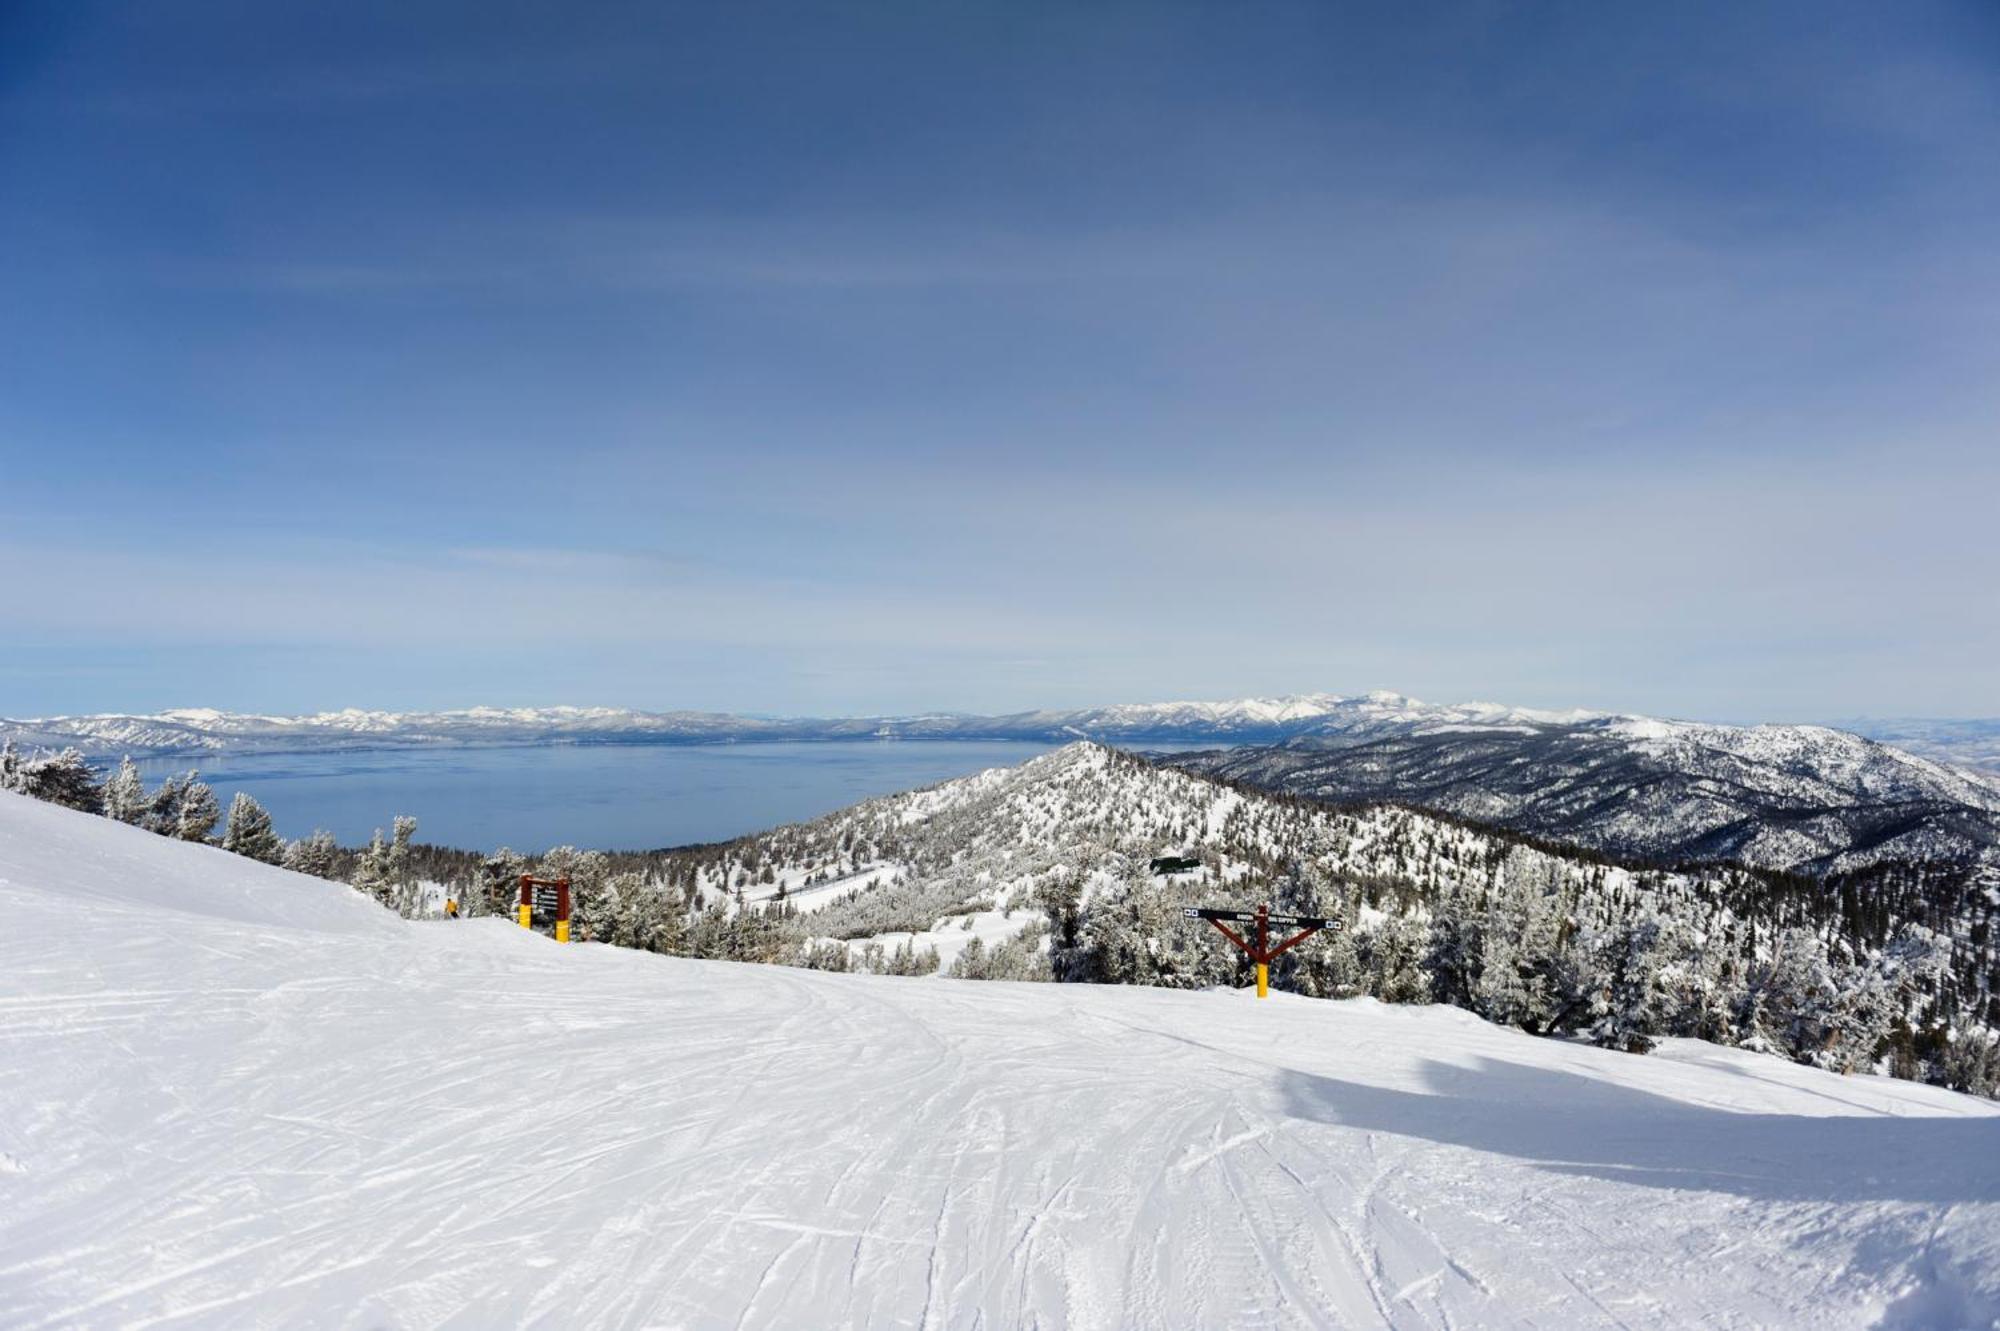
210,1116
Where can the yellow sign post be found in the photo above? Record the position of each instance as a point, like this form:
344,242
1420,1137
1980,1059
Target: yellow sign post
1261,951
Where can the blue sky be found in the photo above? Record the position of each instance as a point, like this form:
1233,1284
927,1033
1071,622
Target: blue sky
889,357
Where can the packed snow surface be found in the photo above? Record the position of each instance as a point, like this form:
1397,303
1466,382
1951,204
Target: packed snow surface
235,1096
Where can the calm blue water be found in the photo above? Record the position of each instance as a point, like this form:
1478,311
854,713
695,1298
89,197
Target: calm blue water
611,797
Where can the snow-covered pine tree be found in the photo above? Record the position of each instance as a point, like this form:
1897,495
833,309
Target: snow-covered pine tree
404,893
1791,1003
971,961
1455,946
316,855
248,831
1327,965
1872,996
1626,1012
1061,898
614,911
56,778
1393,956
371,871
1518,941
907,959
125,794
163,810
498,889
197,811
654,917
1136,935
1970,1061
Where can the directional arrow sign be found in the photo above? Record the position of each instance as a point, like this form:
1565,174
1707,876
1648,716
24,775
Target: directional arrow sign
1250,917
1304,922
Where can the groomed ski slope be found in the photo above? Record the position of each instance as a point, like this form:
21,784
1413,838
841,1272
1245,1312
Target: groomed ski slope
234,1096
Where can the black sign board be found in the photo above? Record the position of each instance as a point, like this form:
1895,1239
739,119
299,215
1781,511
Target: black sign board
548,899
1250,917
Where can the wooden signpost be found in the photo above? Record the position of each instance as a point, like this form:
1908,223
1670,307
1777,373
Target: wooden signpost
548,898
1262,952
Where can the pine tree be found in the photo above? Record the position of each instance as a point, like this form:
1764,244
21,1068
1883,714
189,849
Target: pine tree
1327,965
55,778
163,810
1871,996
1061,897
316,855
1451,958
371,871
1791,1001
399,870
649,917
1626,1013
1970,1061
1394,952
249,832
614,916
198,811
499,885
125,794
1518,942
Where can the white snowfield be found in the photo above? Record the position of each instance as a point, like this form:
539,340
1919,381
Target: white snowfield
234,1096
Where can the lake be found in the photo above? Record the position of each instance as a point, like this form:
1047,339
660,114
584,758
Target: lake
605,797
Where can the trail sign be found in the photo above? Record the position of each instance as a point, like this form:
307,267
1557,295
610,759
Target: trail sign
1252,916
1261,952
546,899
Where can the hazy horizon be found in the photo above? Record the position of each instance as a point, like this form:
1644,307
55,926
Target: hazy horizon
768,714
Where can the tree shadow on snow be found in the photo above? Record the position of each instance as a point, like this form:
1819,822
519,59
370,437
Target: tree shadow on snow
1579,1125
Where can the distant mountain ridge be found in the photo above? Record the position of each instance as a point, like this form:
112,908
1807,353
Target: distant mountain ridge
1334,717
1239,721
1803,798
1796,797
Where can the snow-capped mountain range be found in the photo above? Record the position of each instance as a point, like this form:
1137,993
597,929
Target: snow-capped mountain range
204,730
1803,798
1239,721
1777,796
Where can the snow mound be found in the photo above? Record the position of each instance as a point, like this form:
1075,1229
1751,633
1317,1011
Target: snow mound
239,1098
98,863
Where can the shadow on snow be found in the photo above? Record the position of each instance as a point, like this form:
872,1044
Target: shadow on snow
1579,1125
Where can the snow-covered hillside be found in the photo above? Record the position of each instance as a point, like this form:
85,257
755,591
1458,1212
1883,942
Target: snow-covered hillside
1802,798
236,1096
